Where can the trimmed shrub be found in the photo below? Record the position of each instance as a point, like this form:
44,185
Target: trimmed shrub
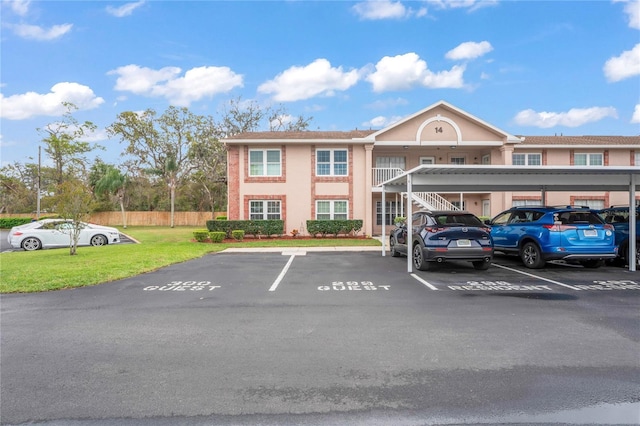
201,235
334,227
237,234
10,222
216,236
251,227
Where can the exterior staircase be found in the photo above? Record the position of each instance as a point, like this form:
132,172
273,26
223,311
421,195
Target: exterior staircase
430,201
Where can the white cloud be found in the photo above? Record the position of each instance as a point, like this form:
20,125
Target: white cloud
381,121
404,72
636,115
124,10
469,50
30,104
385,9
196,84
471,5
19,7
318,78
624,66
35,32
575,117
632,9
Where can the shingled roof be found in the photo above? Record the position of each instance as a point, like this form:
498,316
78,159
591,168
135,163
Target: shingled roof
350,134
582,140
357,134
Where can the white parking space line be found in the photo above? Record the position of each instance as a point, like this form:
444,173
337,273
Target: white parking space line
275,284
432,287
537,277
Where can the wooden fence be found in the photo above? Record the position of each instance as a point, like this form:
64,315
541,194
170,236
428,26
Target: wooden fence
156,218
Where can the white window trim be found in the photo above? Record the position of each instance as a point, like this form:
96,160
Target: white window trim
331,162
431,159
588,155
526,158
265,208
265,163
332,212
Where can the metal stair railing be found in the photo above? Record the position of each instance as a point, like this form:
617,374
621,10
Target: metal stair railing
431,201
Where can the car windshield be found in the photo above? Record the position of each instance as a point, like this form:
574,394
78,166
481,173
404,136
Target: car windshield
458,220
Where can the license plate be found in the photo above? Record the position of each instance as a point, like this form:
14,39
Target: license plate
590,233
464,243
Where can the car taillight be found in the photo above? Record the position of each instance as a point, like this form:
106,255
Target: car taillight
17,233
432,229
609,227
559,228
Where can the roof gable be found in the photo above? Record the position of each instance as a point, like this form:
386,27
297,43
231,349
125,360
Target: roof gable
442,123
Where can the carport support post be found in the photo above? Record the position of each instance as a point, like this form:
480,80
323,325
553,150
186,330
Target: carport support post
409,224
384,221
633,247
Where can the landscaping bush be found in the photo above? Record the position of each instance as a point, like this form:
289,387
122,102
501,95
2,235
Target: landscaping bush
10,222
334,227
216,236
252,227
201,235
237,234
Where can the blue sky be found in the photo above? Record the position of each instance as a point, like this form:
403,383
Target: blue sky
526,67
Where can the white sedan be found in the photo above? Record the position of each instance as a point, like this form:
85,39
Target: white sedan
50,233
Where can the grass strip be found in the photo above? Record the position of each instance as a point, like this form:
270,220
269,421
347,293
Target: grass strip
46,270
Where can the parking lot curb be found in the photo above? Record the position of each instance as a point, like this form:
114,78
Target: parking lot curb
299,249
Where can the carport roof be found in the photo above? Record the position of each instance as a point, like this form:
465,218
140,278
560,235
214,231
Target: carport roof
487,178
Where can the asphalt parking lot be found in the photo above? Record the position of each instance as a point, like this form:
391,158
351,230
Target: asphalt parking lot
331,337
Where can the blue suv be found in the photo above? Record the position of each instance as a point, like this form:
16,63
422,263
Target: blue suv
619,218
540,234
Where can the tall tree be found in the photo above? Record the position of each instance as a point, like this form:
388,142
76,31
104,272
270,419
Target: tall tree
63,145
161,144
113,182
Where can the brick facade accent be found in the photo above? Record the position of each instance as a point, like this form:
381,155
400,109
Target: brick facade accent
233,182
266,179
281,197
605,197
322,179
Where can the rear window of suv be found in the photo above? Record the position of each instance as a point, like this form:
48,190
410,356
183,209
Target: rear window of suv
579,217
458,219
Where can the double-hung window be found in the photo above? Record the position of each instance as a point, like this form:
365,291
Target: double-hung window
526,159
264,162
332,162
331,210
264,209
588,159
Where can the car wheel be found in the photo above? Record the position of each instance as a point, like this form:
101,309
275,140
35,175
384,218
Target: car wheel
592,264
31,244
624,253
531,256
418,258
481,265
98,240
392,247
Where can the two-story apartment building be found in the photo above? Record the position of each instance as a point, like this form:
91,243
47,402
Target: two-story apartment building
296,176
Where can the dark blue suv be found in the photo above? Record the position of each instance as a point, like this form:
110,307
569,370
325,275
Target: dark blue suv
619,218
539,234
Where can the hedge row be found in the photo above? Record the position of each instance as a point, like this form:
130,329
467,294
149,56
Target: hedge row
256,228
10,222
334,227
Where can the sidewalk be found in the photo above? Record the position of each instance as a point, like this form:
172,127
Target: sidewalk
303,250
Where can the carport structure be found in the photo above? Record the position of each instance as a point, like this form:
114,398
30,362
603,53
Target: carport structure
485,178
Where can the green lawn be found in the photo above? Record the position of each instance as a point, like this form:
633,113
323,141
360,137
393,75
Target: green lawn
43,270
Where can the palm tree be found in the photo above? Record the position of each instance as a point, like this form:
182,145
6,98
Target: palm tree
113,182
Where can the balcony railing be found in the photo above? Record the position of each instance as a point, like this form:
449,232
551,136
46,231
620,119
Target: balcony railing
384,174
